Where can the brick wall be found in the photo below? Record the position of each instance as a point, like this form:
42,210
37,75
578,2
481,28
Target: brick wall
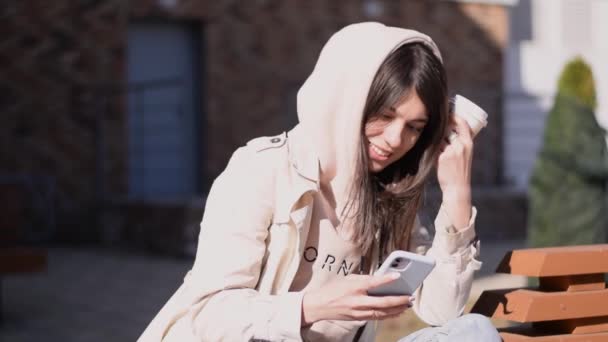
63,77
257,54
56,60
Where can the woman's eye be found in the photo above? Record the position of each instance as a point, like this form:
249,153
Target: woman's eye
415,129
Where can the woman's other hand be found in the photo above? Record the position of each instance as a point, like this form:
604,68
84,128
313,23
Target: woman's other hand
347,299
454,172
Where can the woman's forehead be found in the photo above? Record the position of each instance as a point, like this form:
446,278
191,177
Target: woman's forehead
410,107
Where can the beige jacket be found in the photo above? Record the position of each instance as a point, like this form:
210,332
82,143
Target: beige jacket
258,212
252,239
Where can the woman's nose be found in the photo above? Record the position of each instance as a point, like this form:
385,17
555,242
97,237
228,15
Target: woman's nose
393,135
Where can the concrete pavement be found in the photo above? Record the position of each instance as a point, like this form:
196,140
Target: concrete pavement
95,294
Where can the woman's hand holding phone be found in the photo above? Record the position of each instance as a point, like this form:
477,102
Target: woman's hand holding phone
348,299
412,269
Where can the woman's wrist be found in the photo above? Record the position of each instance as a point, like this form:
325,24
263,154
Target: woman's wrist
458,207
456,193
310,311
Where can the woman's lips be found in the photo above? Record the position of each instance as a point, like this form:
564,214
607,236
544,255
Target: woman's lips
377,153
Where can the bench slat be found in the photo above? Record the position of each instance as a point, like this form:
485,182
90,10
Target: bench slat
524,305
556,261
510,337
575,326
16,260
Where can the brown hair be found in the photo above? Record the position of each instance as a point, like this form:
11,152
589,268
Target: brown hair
386,203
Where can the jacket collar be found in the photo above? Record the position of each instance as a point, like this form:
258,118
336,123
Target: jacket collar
303,179
301,156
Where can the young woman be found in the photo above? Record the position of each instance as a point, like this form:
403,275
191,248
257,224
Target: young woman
296,224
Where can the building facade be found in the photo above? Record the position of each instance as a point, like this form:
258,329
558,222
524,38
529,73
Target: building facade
544,36
129,108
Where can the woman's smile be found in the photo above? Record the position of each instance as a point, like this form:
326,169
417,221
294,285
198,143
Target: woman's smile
377,153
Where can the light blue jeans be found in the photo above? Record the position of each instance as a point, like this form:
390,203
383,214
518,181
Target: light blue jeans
467,328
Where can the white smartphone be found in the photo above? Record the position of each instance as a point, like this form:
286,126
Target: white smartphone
413,268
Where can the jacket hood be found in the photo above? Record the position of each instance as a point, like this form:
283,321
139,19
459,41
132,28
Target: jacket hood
330,103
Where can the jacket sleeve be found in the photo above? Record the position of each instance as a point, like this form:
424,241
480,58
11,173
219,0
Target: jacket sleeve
217,301
444,293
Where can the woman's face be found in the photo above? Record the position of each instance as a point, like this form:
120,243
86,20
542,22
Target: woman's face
391,133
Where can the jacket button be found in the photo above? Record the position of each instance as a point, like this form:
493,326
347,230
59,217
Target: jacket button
275,140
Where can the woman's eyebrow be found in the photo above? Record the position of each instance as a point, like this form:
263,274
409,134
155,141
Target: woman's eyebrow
394,111
423,120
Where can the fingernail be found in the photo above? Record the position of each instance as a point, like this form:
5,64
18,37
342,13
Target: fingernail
412,298
395,275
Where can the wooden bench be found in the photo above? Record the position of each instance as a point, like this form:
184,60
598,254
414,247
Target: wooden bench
570,303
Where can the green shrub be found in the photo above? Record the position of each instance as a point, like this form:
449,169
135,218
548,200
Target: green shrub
576,81
567,192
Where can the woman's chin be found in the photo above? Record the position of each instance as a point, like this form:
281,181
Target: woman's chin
375,167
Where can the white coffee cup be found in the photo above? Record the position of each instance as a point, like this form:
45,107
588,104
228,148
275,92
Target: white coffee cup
475,116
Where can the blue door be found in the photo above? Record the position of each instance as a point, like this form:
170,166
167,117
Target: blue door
164,113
